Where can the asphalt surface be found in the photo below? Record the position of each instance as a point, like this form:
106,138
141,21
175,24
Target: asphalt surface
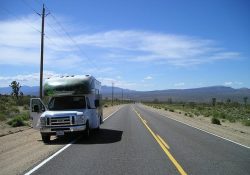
137,141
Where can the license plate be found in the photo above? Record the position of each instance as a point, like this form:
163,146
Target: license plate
59,133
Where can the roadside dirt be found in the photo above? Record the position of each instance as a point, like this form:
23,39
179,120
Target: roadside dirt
22,148
233,131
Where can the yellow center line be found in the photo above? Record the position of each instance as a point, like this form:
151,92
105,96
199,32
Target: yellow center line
173,160
163,142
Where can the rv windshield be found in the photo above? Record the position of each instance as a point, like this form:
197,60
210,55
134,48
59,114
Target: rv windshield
67,102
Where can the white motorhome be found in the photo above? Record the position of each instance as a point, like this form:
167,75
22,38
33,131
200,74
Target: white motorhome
74,106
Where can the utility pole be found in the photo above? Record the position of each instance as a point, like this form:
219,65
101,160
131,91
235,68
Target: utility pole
122,96
112,93
41,63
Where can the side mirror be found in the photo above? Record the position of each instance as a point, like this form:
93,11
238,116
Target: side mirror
36,108
97,103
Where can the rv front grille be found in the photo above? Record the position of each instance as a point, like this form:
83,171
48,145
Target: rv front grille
60,121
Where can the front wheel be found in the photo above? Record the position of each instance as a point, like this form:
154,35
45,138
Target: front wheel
87,130
46,138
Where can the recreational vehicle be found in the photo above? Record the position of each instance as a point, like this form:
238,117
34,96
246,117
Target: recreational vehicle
74,105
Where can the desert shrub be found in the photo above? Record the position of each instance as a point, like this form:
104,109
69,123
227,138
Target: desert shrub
190,115
12,109
223,115
207,113
2,117
215,114
26,107
179,112
246,122
196,113
19,120
16,121
171,110
185,114
215,121
248,111
231,120
166,109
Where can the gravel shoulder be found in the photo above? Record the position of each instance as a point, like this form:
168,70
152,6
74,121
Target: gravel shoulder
232,131
21,148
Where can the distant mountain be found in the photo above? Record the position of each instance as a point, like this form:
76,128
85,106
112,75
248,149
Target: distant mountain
204,94
108,90
27,90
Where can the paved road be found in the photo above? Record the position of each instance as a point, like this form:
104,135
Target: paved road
137,141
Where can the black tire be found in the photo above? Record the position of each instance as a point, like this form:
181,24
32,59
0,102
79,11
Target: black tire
101,120
87,130
46,138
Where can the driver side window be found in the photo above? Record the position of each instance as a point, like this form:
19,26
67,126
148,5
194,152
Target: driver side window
88,104
37,106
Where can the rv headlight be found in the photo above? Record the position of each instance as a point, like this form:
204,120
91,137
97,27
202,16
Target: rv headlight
43,121
80,119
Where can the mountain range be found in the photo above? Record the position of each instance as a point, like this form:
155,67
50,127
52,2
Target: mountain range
204,94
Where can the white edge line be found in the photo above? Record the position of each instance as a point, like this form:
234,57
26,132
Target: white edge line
206,131
112,114
49,158
59,151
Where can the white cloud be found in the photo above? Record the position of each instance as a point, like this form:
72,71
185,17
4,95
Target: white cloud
144,46
233,83
238,83
117,83
20,45
228,83
148,78
27,79
179,84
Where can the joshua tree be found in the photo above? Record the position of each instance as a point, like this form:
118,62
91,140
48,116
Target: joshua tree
170,100
213,101
245,100
15,89
228,100
156,100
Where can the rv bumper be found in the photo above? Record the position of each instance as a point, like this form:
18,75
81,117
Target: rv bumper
66,129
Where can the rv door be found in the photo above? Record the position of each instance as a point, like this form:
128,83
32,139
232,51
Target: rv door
36,109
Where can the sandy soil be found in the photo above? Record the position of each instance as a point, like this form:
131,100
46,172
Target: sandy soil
233,131
22,148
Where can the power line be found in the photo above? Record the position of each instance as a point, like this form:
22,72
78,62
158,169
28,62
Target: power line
18,18
67,40
76,44
30,7
70,38
51,40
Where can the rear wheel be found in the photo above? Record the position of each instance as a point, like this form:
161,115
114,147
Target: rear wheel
46,138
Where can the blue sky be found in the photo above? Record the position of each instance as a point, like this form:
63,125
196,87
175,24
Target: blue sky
137,44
